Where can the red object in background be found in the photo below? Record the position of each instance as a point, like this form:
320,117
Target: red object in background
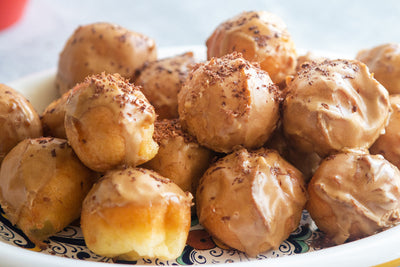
10,12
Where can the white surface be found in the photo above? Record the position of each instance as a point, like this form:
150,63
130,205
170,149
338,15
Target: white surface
379,248
340,26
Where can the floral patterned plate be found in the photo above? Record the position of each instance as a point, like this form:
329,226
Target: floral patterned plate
68,246
200,247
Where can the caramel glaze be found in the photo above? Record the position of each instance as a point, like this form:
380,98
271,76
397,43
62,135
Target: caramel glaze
308,57
179,158
99,47
30,166
334,105
16,190
354,195
18,120
261,37
53,117
162,80
132,115
388,144
384,62
228,102
138,186
251,201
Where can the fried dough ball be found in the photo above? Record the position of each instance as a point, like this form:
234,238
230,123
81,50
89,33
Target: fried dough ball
99,47
261,37
388,144
53,117
228,102
162,80
251,201
18,120
179,157
110,123
42,186
384,62
133,213
334,105
354,195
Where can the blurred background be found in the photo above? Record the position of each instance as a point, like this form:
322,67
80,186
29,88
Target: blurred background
342,26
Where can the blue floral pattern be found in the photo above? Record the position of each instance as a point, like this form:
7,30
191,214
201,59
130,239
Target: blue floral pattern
70,243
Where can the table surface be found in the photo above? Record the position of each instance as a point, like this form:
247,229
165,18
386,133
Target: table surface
341,26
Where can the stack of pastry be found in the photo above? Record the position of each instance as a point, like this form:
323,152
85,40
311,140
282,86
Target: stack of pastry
255,133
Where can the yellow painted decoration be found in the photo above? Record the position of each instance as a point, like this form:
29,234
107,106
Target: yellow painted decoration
392,263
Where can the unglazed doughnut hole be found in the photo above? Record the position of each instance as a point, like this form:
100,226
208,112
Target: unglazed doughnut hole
354,195
228,102
384,62
133,213
162,80
99,47
42,186
18,120
261,37
179,158
388,144
110,123
334,105
251,201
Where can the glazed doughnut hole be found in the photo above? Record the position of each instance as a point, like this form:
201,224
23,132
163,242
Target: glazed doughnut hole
384,61
18,120
53,117
162,80
110,123
333,106
132,213
42,186
241,197
228,102
388,143
99,47
261,37
353,195
179,157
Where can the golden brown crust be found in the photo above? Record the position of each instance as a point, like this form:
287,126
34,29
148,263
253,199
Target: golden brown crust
384,62
228,102
261,37
110,123
18,120
353,195
162,80
99,47
334,105
241,197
